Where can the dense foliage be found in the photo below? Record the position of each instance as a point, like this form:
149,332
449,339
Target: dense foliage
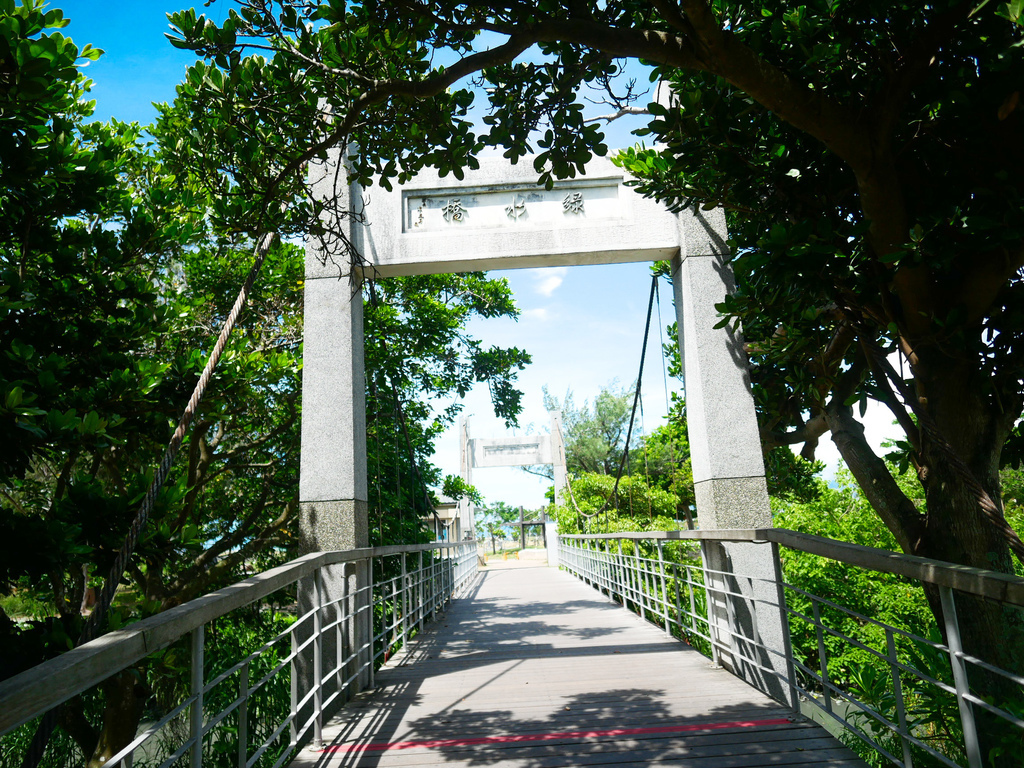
823,129
116,277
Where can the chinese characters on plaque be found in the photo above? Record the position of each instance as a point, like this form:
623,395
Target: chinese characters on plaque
573,203
517,208
452,210
499,208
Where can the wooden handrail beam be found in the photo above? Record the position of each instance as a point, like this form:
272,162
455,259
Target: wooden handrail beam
975,581
37,690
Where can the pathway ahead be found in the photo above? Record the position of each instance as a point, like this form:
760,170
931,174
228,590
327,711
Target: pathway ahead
533,669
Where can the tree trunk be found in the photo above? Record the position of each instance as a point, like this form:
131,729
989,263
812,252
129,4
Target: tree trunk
967,415
954,529
122,696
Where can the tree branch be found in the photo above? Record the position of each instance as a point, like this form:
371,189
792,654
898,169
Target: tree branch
266,538
621,113
886,377
898,512
811,430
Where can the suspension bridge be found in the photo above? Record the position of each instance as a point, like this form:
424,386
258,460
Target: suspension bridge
632,652
533,668
628,649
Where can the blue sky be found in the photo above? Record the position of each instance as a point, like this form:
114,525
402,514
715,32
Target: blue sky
139,65
583,325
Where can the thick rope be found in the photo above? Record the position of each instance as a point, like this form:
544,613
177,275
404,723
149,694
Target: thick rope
428,502
985,502
106,597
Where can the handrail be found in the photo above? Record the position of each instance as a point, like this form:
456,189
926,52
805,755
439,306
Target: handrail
975,581
32,692
725,618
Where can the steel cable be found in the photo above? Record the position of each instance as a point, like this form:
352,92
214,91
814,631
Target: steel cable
632,415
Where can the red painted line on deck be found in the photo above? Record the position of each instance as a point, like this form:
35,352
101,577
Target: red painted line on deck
484,740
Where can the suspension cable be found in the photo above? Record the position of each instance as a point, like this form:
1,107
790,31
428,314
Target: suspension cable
636,392
664,366
632,416
92,626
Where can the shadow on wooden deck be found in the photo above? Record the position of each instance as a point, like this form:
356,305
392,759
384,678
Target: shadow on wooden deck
533,669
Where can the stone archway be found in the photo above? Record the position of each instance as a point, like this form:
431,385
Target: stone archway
499,218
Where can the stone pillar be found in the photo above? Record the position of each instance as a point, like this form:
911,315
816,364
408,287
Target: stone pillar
332,477
725,450
332,473
561,476
468,523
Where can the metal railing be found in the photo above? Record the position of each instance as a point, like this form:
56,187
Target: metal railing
355,608
673,587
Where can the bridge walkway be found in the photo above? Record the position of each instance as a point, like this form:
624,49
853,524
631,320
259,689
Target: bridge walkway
534,669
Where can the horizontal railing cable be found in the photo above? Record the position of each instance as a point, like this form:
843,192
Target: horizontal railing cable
437,573
653,586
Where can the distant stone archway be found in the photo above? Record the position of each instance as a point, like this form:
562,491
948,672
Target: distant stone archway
524,451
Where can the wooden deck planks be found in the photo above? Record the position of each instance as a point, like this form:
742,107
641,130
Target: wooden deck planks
536,670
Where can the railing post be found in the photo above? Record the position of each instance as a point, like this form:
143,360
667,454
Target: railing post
639,579
693,602
822,655
405,602
195,721
678,601
664,586
394,614
371,623
606,567
588,563
318,658
585,563
787,640
419,586
624,574
623,577
243,715
293,705
602,576
444,576
709,599
433,585
595,577
901,709
971,745
603,558
339,642
448,574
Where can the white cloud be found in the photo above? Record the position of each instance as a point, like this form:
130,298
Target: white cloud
547,280
537,313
